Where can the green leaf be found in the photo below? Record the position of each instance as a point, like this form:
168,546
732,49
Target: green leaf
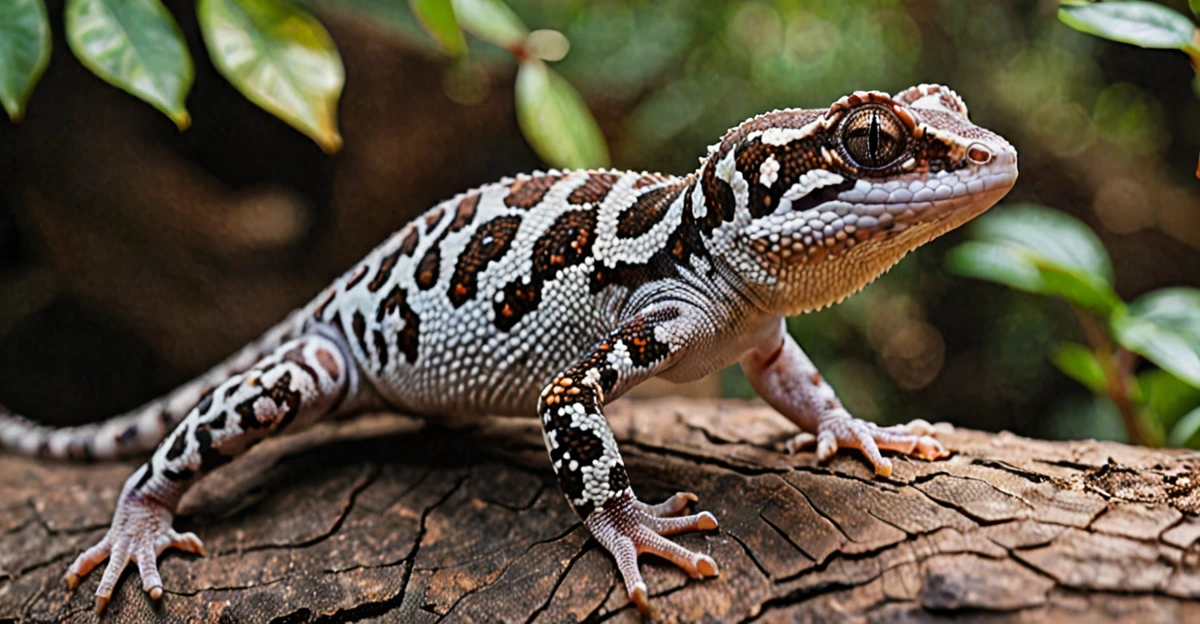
1079,363
24,52
280,58
1166,397
1186,432
437,16
1142,24
996,263
1039,250
491,20
556,121
548,45
136,46
1194,5
1164,327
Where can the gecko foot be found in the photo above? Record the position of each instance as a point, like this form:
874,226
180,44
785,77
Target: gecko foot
840,429
140,532
627,527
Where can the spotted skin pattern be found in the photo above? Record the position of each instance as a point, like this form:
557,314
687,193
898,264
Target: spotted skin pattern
554,293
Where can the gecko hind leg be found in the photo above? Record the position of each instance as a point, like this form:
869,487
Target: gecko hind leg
303,380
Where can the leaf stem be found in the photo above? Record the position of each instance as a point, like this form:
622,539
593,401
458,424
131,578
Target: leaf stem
1118,371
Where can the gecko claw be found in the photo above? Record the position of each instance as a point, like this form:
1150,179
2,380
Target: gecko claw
101,602
640,598
707,566
72,581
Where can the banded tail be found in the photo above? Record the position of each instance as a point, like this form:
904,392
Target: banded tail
140,430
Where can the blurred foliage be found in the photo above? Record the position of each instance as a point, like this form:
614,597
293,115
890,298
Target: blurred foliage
24,52
1048,252
280,58
1142,24
277,55
134,45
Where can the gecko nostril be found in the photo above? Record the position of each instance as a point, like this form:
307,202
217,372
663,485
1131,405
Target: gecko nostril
979,154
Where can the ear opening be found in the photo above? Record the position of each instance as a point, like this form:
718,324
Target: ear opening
935,97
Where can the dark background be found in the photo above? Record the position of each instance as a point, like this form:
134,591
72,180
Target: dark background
133,256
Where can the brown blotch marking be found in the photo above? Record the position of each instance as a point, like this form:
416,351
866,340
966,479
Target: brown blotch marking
686,241
525,193
146,474
428,267
320,311
646,212
385,271
816,379
381,348
283,396
295,355
649,179
329,363
718,198
433,218
584,446
127,436
644,349
360,273
567,242
410,337
359,325
489,243
519,300
465,213
657,267
181,475
750,157
249,420
205,402
594,190
409,245
178,445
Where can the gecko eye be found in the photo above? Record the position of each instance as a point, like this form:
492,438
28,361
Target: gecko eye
873,137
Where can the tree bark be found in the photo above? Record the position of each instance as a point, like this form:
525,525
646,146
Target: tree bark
392,519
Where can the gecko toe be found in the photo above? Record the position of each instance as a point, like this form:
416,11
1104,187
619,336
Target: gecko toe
627,528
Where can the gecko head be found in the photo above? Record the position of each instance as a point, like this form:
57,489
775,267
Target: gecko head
824,201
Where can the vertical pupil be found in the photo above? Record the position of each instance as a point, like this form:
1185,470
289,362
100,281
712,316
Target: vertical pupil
873,139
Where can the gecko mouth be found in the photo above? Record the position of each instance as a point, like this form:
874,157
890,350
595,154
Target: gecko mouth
882,209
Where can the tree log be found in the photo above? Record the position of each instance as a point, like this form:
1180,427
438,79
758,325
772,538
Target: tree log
391,519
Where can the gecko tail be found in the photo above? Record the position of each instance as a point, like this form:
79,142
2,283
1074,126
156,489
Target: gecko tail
139,431
127,435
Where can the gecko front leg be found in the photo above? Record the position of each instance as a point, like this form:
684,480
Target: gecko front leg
589,466
785,378
299,382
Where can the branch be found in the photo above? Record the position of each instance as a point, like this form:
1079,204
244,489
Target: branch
384,518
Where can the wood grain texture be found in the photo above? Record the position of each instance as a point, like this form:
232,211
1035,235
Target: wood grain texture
388,519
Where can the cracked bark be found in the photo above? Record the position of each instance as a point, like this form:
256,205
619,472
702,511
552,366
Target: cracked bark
389,519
